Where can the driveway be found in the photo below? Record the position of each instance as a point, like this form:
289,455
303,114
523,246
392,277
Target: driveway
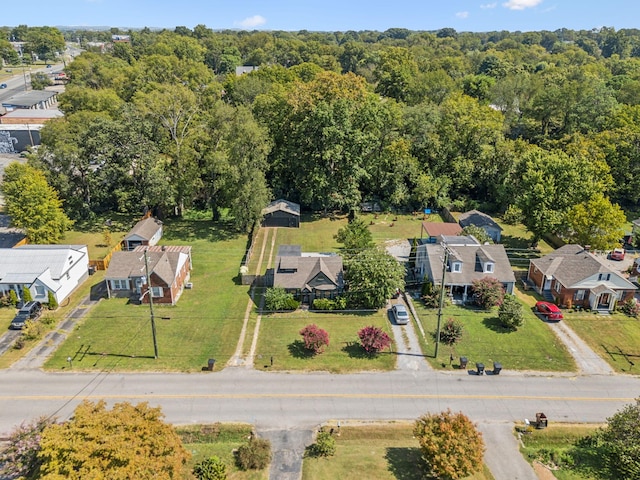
410,356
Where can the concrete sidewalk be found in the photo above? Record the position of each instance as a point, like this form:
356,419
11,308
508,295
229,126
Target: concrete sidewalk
503,455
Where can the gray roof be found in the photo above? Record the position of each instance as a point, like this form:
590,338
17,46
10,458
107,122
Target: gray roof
458,240
26,263
571,264
471,257
131,264
145,228
283,205
477,218
30,98
299,272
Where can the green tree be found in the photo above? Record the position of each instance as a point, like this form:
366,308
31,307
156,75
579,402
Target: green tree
510,314
26,294
211,468
277,298
451,332
355,236
40,80
372,276
141,444
52,303
451,445
46,42
33,205
487,292
395,72
596,222
324,446
478,232
618,443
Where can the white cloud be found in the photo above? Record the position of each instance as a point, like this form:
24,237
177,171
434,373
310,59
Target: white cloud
489,5
462,14
521,4
251,22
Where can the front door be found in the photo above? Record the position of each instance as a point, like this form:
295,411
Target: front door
547,284
604,300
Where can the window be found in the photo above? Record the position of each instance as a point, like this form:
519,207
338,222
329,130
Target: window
40,291
457,267
489,267
120,284
156,292
604,276
558,286
580,295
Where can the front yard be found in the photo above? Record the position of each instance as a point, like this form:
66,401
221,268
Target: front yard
280,340
532,347
204,324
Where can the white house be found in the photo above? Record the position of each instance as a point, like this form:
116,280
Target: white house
58,269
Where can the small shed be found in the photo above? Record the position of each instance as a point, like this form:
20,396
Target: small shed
147,231
281,213
482,220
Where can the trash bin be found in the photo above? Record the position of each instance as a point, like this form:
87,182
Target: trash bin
211,364
497,366
480,368
463,362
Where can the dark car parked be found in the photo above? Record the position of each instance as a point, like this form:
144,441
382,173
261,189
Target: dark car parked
29,311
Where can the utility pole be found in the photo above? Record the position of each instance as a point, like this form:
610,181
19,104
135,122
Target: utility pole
150,293
441,302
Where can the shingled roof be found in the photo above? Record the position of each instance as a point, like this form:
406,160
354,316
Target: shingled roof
478,219
145,228
307,271
165,264
283,205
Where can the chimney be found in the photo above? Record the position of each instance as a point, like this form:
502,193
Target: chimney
587,248
164,247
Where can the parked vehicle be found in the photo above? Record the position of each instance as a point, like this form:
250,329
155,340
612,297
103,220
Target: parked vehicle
617,254
400,314
29,311
3,85
549,310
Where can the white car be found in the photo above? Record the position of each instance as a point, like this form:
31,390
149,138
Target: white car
400,314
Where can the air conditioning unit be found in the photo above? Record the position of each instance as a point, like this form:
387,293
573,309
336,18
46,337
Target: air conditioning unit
188,285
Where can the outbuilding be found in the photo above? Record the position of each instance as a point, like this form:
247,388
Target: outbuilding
281,213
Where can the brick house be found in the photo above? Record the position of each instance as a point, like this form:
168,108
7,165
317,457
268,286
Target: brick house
169,272
572,276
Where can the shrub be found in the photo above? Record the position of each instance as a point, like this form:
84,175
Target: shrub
19,457
278,299
478,232
450,444
5,300
32,330
512,216
373,339
255,454
430,295
339,303
211,468
52,303
13,297
26,295
325,445
488,292
315,338
510,314
451,332
630,307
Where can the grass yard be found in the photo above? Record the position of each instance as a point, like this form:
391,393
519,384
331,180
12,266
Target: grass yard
616,338
204,324
532,347
204,441
91,233
551,445
374,452
280,339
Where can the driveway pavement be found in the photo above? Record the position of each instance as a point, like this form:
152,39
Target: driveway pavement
587,361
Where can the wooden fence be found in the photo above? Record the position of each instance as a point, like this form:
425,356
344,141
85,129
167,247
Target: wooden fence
103,264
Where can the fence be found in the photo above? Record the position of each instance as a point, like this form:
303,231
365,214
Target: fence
103,264
446,214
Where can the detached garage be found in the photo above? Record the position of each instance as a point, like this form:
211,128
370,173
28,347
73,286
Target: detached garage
281,213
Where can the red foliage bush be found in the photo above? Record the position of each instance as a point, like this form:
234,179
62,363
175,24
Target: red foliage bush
373,339
315,338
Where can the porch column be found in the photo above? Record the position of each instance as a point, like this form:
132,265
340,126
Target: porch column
464,295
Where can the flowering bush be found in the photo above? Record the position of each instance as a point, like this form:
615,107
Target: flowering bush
373,339
315,338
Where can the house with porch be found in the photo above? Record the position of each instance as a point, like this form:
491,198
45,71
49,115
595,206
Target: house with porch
466,261
308,275
43,269
169,272
146,232
572,276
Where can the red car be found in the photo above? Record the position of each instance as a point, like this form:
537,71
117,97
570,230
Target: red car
549,310
617,254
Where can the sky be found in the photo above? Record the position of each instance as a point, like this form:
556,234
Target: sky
327,15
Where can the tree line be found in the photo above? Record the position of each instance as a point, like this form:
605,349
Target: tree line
540,124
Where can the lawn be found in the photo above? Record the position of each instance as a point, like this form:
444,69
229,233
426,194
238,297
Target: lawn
91,233
204,441
532,347
374,452
280,339
556,442
616,338
204,324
